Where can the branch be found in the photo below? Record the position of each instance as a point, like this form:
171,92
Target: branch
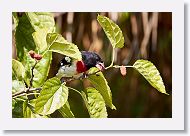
29,91
31,80
25,92
85,75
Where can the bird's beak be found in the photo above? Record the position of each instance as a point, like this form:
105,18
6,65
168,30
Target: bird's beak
100,66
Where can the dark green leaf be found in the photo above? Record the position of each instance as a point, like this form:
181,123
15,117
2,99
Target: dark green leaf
57,43
52,97
151,74
112,31
23,37
66,111
99,82
17,111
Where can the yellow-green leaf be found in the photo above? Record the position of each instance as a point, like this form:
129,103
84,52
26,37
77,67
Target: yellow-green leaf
95,104
40,39
57,43
52,97
112,31
41,20
66,111
41,70
18,69
151,74
28,110
99,82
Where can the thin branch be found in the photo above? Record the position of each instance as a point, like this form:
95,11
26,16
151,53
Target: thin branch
31,80
29,91
26,91
27,94
117,66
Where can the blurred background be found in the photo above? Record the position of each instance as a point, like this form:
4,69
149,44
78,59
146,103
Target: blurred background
147,36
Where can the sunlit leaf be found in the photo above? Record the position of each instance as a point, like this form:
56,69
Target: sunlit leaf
27,25
28,110
15,19
151,74
99,82
18,69
52,97
41,70
66,111
17,86
57,43
112,31
41,20
95,104
40,39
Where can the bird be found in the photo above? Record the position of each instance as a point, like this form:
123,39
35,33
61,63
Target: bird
69,67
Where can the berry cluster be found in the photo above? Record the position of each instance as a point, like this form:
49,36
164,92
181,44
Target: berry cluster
35,55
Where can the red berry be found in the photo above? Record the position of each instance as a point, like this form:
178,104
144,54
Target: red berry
31,52
37,56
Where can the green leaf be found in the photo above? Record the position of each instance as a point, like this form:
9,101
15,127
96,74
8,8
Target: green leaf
151,74
41,70
95,104
57,43
52,97
40,39
17,111
113,32
66,111
17,86
15,19
23,37
28,110
41,20
99,82
27,25
18,69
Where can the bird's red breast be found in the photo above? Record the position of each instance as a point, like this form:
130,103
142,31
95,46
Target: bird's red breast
81,67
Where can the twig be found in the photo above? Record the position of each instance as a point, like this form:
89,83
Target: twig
31,80
81,77
29,91
26,91
27,94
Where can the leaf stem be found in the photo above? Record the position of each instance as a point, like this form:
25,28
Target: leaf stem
117,66
113,58
75,90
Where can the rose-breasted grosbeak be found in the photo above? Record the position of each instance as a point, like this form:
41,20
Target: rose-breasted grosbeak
73,68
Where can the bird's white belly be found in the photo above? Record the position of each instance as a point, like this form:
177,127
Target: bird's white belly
67,71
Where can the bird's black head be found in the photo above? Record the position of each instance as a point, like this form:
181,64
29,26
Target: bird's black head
92,59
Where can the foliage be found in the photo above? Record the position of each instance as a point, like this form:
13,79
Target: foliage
35,96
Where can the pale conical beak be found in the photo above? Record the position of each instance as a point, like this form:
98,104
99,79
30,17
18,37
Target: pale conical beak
100,66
